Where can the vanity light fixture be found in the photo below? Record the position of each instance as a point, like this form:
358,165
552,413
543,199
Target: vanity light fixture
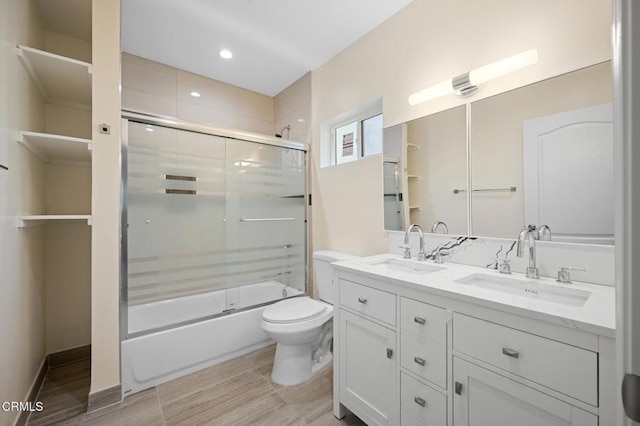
226,54
195,94
470,82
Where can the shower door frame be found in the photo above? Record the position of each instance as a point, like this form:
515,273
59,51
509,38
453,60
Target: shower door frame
177,124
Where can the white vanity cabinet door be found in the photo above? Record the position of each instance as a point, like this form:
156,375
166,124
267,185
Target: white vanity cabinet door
482,397
368,370
564,368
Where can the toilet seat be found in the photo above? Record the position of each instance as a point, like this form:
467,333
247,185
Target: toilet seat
294,310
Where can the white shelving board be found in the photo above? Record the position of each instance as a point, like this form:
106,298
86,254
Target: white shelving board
61,80
24,221
55,148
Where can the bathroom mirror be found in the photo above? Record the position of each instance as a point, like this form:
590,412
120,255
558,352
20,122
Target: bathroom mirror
543,154
431,164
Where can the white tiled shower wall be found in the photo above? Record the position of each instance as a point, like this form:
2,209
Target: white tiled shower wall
158,89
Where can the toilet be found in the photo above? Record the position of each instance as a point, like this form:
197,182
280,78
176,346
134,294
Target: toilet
303,327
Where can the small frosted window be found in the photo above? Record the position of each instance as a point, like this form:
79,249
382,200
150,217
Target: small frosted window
372,135
346,143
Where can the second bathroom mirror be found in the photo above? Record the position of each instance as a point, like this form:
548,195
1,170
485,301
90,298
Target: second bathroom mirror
543,154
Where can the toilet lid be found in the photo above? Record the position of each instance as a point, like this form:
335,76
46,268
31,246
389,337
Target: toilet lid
294,310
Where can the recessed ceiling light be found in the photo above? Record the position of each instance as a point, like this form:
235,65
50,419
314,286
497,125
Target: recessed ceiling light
195,94
300,120
149,129
226,54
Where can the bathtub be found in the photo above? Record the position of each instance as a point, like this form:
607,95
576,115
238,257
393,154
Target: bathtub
175,350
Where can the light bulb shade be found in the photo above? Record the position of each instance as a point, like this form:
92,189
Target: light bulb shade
505,66
440,89
475,78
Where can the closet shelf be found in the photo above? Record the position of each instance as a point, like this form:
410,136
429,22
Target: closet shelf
55,148
414,207
60,80
25,221
412,147
413,177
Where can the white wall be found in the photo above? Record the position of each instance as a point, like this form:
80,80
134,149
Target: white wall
423,44
105,232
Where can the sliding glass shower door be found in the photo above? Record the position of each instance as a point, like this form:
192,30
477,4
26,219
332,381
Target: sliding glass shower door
214,224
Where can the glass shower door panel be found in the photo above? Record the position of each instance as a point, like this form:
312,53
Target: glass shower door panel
151,153
176,221
266,223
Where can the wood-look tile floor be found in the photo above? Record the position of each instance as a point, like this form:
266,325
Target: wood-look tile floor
236,392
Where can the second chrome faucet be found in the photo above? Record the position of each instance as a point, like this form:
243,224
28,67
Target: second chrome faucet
529,234
407,247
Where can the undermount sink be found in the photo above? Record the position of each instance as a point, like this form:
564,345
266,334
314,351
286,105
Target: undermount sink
529,289
407,266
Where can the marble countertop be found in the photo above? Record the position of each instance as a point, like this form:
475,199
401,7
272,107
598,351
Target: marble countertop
596,316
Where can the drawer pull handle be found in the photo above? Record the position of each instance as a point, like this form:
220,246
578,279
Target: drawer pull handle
419,361
389,353
458,389
362,300
421,402
511,353
420,320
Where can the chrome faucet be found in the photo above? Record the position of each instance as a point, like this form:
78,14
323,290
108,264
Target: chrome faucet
529,233
406,247
438,223
544,233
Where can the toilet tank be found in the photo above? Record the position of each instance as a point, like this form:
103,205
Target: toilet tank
324,273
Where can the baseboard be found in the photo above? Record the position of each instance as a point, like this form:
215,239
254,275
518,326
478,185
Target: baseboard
68,356
104,398
23,417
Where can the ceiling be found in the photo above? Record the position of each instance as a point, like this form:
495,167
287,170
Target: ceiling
274,42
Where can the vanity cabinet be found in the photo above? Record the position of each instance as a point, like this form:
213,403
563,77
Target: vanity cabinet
483,397
459,363
368,352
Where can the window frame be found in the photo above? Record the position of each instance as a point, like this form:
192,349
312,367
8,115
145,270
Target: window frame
358,143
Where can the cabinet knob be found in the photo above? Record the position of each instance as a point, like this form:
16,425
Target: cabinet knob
419,320
510,352
458,388
362,300
421,402
419,361
389,353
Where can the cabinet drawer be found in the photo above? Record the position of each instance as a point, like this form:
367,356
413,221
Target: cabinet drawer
423,322
427,361
368,301
420,404
564,368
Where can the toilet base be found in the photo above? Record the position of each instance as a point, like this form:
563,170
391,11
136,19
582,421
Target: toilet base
293,365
